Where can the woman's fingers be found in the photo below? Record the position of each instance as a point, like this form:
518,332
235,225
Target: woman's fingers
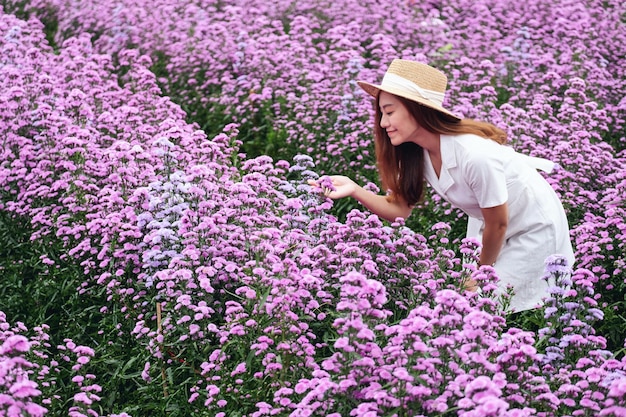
470,285
326,190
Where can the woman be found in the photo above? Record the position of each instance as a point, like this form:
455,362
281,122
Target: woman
512,209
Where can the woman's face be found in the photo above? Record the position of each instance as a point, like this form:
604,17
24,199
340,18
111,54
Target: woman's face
400,125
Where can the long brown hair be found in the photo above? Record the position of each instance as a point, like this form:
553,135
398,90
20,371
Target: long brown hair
401,168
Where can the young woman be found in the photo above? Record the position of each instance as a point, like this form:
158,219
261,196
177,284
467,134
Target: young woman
512,209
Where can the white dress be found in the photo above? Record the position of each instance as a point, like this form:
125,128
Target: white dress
480,173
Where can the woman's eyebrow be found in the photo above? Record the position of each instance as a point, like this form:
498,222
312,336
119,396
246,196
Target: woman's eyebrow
386,105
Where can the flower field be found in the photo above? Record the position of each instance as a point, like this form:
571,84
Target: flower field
161,253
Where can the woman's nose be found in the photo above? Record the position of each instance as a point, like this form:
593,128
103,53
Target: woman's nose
384,122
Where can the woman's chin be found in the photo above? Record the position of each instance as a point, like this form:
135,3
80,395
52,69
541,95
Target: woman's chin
397,141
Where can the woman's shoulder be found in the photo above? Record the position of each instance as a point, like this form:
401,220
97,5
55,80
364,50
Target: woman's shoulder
471,150
469,142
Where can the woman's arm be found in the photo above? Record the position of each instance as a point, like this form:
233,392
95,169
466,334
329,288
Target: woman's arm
377,204
496,223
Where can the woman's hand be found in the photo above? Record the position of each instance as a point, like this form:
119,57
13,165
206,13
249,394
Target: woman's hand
470,285
338,186
341,187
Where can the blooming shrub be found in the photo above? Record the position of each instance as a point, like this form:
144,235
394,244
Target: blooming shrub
19,392
160,239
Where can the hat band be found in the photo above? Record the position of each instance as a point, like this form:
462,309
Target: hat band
393,80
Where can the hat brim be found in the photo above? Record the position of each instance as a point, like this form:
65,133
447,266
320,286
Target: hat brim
373,90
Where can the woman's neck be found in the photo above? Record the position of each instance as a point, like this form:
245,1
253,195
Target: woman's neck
432,143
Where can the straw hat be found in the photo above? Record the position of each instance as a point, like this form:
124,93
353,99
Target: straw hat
415,81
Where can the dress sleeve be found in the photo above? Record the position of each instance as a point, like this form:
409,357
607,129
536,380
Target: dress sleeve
485,175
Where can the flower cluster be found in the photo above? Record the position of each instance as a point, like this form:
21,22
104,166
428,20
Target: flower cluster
19,391
160,154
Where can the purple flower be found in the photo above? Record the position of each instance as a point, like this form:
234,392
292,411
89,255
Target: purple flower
14,343
24,389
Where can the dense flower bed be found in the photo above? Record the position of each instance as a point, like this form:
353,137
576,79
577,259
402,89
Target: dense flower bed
175,268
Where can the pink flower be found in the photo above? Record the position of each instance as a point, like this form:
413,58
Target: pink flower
82,397
145,373
402,374
239,369
617,389
15,343
366,334
24,389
